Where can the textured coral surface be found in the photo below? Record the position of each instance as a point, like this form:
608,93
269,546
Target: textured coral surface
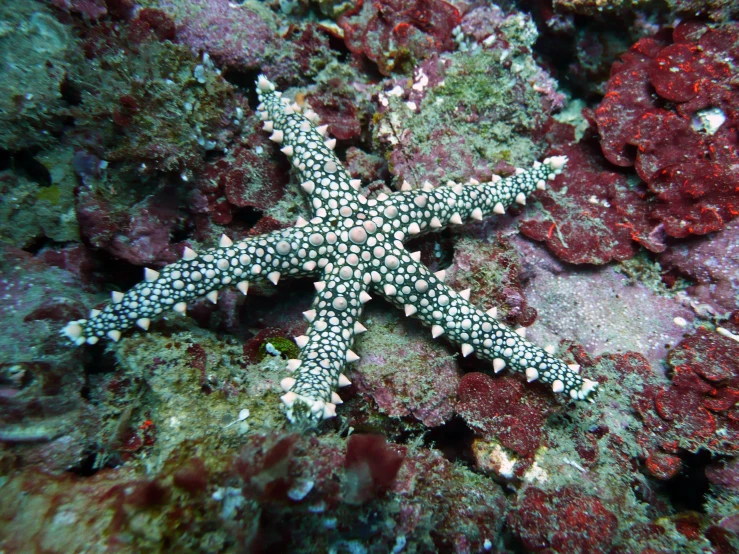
130,132
670,111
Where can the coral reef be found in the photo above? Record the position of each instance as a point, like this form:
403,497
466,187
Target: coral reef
131,132
38,209
471,113
158,109
41,406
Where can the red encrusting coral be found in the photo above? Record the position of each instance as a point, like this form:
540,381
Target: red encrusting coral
371,466
591,214
394,33
151,20
671,111
337,107
698,410
244,179
140,234
566,520
503,408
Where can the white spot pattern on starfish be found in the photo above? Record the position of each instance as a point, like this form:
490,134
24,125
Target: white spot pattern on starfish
354,247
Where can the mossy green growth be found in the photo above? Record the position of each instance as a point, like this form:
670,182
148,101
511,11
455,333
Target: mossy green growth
643,268
166,121
484,111
51,194
492,106
284,346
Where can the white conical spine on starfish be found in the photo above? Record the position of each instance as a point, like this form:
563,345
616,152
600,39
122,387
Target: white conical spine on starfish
353,247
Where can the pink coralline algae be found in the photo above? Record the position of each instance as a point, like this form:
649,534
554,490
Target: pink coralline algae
75,258
235,35
467,510
712,264
493,271
726,474
41,406
592,215
406,376
645,322
140,234
671,112
395,34
154,21
337,106
93,10
242,38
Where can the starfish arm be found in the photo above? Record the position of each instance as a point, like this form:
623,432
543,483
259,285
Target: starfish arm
326,347
267,257
430,209
424,295
355,244
323,178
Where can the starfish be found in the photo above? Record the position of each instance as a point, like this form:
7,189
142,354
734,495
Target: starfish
354,247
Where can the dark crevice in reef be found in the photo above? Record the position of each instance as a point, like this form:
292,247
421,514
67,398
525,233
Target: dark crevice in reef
118,274
87,466
247,216
6,160
25,163
338,45
39,244
244,81
179,235
689,489
453,440
71,92
557,49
